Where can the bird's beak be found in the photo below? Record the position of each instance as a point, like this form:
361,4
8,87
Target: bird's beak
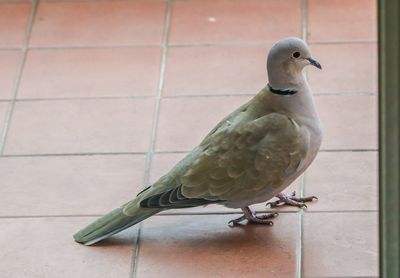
315,63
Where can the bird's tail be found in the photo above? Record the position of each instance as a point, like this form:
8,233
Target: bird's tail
112,223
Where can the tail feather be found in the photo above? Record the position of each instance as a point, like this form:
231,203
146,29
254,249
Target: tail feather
111,223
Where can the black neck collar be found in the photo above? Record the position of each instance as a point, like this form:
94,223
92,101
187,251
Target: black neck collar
285,92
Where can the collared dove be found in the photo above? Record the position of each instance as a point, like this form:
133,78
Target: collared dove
249,157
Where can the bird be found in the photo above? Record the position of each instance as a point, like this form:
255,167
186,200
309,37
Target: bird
249,157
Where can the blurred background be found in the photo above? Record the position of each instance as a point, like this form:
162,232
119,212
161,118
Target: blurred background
100,98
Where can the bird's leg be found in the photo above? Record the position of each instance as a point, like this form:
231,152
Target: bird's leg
291,200
251,217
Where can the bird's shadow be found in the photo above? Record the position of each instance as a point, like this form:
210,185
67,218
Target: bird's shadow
240,234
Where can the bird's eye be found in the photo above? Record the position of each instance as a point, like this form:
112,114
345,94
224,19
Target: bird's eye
296,54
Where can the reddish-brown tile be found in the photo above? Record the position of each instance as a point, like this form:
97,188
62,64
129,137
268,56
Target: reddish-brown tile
163,162
8,71
345,68
88,184
202,21
75,126
346,20
184,122
203,244
98,23
348,122
13,23
343,181
216,70
340,245
91,72
44,247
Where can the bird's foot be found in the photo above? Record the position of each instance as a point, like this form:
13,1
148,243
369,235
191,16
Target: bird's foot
291,200
251,217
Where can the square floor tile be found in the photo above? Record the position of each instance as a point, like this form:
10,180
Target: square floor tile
184,122
163,162
216,70
90,72
202,21
340,245
346,68
343,181
68,185
346,20
205,246
10,60
80,126
13,23
348,122
44,247
98,23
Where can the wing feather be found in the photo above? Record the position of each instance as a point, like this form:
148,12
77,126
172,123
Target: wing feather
244,159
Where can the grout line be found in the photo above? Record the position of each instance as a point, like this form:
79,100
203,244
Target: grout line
135,255
346,94
217,44
304,20
159,96
182,45
301,229
11,48
155,152
300,259
48,216
347,150
222,43
9,113
72,154
94,47
179,45
342,42
206,213
156,113
83,98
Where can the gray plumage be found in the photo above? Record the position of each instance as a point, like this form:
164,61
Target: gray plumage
249,157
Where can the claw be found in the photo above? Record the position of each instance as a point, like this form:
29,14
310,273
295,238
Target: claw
291,200
252,218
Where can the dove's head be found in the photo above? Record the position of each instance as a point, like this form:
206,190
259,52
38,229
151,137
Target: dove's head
286,60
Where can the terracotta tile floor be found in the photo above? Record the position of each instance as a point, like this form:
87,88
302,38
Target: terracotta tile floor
100,98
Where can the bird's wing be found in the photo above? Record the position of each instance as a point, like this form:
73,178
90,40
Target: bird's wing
236,163
240,163
168,184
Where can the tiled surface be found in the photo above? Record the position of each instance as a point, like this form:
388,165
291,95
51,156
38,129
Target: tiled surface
337,15
344,187
349,122
109,98
13,23
8,72
3,110
45,248
209,21
201,246
107,72
348,68
68,185
80,126
118,22
201,114
215,70
340,244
